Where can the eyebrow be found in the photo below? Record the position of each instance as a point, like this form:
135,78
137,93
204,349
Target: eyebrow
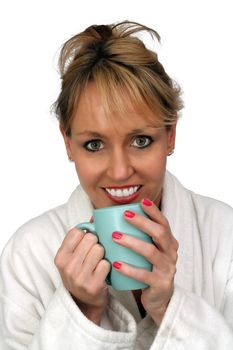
89,132
133,132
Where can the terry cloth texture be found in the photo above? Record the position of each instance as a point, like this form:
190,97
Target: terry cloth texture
38,313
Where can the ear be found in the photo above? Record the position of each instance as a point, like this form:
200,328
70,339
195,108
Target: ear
67,141
171,139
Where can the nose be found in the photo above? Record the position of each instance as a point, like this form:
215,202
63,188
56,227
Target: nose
120,166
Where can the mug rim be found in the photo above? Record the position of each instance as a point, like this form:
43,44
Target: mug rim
119,206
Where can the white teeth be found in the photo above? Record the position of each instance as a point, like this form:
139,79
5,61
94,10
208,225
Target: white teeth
131,190
126,192
118,193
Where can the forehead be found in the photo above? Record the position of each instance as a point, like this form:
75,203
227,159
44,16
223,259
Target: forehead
91,113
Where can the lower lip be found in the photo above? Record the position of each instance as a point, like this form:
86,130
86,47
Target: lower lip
124,200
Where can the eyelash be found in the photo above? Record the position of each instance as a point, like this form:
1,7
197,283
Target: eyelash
88,143
149,138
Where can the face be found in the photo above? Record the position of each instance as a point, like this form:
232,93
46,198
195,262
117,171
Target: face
118,160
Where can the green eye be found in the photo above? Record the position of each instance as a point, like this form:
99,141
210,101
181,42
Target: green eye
142,141
93,145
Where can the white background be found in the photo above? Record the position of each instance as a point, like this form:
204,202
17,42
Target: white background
196,51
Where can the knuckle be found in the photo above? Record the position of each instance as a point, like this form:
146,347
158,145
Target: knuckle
68,271
75,232
99,249
141,275
166,222
58,259
91,238
166,284
161,231
105,265
176,244
71,232
175,247
150,251
172,270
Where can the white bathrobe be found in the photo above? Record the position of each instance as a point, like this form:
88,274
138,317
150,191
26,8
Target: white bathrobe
38,313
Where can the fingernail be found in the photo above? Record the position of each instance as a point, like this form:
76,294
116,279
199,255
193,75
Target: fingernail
117,265
147,202
129,214
117,235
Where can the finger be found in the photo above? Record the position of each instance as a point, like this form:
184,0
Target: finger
161,235
74,264
71,240
102,270
92,259
82,250
138,274
148,250
154,212
156,215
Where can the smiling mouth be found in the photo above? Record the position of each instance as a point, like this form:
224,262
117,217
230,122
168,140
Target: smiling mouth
123,194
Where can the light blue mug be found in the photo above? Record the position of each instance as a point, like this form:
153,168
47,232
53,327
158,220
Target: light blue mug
108,220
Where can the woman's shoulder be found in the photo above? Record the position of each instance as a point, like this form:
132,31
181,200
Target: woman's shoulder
50,227
46,229
203,205
211,215
215,222
212,208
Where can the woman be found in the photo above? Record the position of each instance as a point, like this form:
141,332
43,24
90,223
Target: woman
118,111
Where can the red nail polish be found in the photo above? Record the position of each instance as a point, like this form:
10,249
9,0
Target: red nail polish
117,265
129,214
147,202
117,235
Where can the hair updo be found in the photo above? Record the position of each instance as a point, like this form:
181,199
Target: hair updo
119,63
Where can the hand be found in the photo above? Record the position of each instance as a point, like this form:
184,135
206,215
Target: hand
83,271
162,254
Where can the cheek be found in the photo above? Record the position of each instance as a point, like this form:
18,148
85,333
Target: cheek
153,174
88,171
154,164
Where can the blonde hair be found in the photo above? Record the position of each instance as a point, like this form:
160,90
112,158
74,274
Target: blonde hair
119,63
